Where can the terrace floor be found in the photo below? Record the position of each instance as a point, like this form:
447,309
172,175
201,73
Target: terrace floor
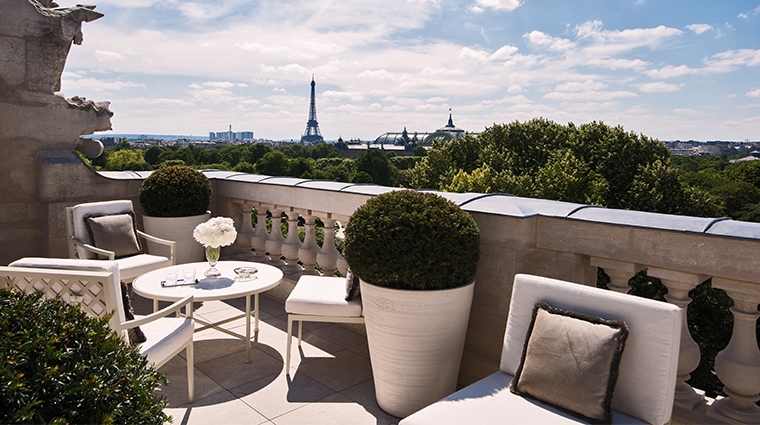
330,381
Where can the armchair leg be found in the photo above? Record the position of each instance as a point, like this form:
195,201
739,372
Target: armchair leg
287,350
190,372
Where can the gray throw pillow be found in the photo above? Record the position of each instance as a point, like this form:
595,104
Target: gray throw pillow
352,285
570,360
114,232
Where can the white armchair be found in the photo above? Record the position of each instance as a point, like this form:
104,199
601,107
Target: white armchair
96,287
647,372
130,266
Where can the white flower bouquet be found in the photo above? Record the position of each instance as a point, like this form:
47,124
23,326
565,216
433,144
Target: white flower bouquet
219,231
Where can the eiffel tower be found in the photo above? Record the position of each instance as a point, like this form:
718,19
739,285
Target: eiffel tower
312,135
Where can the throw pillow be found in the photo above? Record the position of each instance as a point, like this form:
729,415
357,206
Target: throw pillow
570,360
352,285
135,334
114,232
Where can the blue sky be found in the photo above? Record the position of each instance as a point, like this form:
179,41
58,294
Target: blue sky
669,69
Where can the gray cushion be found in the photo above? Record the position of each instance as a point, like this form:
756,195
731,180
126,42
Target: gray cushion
570,360
114,232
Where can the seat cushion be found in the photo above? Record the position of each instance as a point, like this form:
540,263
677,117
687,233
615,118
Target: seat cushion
131,267
489,401
166,337
322,296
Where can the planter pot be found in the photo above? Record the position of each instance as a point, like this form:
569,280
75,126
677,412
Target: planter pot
180,230
416,339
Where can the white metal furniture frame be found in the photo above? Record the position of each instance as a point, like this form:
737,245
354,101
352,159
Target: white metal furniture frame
80,244
646,383
319,299
95,286
228,286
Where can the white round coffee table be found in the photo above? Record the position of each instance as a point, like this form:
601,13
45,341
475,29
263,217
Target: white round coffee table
224,287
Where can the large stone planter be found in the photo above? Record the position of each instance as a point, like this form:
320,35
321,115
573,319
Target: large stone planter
180,230
416,339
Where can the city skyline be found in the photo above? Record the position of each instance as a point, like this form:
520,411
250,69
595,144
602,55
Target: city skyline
670,70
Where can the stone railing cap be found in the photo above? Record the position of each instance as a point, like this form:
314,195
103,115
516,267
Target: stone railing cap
325,185
503,204
644,219
740,229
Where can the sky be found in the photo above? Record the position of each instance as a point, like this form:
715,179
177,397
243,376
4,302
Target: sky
668,69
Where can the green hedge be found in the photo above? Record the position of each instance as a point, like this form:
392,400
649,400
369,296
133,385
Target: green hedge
57,365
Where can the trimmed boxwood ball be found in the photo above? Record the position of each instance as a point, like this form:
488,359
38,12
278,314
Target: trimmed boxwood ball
175,191
58,365
412,240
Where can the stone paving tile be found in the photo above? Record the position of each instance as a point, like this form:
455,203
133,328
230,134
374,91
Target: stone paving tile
334,409
273,398
176,391
364,394
220,408
231,371
344,370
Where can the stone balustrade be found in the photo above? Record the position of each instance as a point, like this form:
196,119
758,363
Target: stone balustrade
519,235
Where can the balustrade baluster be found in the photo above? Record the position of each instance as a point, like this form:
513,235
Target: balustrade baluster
679,284
274,243
245,233
738,365
620,272
259,238
309,248
327,258
292,245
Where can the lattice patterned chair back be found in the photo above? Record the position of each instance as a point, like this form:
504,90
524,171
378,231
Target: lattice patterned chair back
92,284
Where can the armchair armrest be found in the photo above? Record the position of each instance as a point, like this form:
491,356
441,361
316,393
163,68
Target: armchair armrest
110,254
184,302
172,244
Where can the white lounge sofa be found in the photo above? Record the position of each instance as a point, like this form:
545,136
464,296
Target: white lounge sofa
647,375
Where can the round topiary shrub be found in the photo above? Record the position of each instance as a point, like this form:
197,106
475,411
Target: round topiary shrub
57,365
175,191
412,240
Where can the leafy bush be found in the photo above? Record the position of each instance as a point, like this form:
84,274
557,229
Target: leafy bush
412,240
57,365
175,191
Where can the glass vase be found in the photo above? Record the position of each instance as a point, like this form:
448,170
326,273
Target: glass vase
212,256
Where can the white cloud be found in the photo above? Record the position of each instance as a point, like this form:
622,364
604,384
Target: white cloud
514,88
576,86
108,56
224,84
380,74
659,87
625,39
615,64
339,95
689,112
507,5
504,52
699,28
670,71
753,93
96,85
589,96
540,39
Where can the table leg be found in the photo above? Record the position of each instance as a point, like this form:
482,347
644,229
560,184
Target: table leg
155,306
248,327
256,312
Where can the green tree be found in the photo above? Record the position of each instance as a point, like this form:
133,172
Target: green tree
592,164
274,164
151,155
419,151
378,166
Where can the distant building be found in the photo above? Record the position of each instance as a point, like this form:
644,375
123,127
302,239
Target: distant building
230,136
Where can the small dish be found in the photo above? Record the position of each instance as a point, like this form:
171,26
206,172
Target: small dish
246,272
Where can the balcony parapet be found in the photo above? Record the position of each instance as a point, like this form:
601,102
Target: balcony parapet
520,235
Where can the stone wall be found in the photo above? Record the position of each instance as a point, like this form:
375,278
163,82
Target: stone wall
34,43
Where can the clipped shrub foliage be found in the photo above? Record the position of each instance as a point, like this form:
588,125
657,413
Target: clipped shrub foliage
412,240
57,365
175,191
